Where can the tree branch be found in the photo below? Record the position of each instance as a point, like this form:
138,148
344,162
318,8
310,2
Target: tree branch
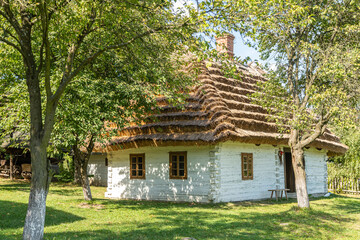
68,77
9,16
12,45
45,43
10,34
319,130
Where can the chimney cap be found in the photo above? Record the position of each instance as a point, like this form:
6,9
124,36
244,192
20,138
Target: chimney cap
224,35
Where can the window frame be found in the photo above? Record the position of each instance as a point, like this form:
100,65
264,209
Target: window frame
171,176
251,156
137,169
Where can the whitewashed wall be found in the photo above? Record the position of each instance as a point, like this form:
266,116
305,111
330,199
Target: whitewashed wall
157,185
214,173
267,169
97,168
266,172
316,171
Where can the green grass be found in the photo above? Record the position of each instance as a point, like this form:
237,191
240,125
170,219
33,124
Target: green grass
69,217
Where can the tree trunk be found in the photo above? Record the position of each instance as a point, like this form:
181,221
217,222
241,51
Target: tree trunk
85,182
77,171
11,166
40,167
35,216
82,159
300,177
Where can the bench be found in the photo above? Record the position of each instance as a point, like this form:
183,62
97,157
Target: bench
283,190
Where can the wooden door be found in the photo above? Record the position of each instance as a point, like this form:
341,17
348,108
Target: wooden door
289,173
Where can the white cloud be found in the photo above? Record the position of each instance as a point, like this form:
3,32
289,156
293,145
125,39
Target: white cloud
181,7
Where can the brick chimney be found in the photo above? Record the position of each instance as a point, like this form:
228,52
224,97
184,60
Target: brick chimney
225,44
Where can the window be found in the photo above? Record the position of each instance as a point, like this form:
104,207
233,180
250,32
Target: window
247,166
178,165
137,166
106,162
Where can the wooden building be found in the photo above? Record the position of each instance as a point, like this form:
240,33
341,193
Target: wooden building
220,147
15,157
15,160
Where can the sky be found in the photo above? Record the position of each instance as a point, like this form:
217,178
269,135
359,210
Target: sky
240,49
243,51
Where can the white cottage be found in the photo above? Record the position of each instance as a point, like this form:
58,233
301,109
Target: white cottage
219,148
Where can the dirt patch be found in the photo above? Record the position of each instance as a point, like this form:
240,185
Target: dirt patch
87,205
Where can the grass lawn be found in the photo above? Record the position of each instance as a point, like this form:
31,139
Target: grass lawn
69,217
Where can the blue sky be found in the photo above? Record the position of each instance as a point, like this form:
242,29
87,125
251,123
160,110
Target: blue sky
241,50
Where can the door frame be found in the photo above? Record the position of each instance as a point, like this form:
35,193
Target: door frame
288,150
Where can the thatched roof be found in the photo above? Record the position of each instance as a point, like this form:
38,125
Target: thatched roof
16,139
218,109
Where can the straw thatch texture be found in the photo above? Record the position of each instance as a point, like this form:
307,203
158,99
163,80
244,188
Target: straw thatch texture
219,109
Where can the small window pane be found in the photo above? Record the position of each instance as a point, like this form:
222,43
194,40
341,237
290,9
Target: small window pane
247,166
177,162
137,166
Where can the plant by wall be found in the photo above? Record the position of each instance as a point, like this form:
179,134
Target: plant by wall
66,173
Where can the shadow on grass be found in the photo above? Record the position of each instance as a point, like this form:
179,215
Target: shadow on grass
207,225
13,215
169,220
216,221
343,202
67,192
148,204
15,186
346,204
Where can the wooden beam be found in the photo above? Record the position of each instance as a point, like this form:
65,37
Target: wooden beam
11,166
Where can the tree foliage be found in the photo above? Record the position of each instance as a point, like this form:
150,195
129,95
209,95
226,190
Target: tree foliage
315,45
48,45
348,165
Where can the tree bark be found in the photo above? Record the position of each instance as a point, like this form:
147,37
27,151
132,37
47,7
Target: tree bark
85,182
11,173
77,172
35,216
82,159
300,177
40,166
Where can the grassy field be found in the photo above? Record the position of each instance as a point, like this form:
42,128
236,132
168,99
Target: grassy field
69,217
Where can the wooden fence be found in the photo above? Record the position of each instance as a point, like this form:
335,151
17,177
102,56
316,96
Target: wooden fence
344,185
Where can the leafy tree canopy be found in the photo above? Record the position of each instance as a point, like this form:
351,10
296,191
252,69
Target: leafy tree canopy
315,45
52,48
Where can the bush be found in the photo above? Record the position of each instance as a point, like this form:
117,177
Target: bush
66,169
